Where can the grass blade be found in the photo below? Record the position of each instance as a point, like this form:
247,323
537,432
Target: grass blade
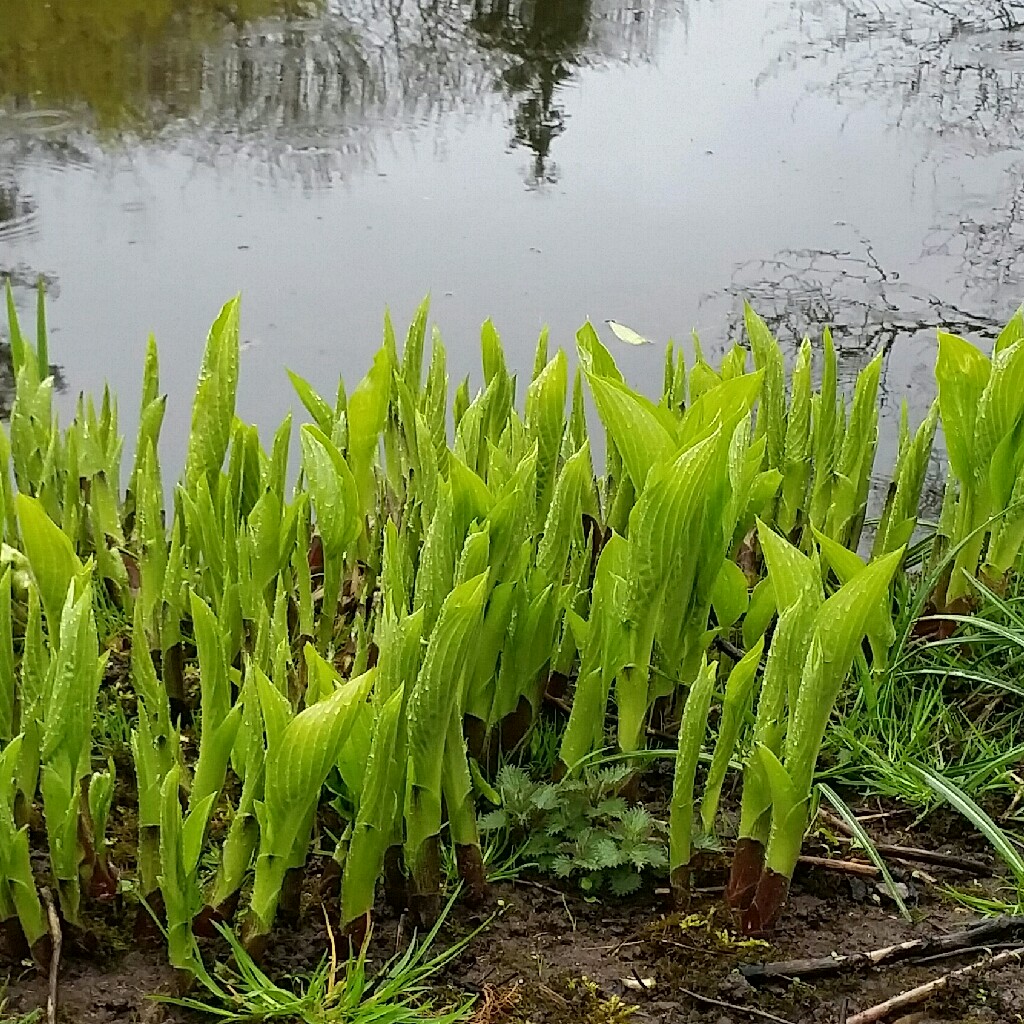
978,817
864,841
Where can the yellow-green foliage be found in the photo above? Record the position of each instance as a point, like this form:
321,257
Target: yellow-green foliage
381,623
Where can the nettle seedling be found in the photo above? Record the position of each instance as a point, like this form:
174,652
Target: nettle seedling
580,829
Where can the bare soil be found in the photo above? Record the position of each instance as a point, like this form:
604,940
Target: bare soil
549,957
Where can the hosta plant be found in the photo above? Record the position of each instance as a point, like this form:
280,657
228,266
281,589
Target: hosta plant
823,636
982,407
343,653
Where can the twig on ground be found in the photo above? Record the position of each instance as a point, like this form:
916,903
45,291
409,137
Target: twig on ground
566,708
622,945
943,860
915,996
1017,798
664,734
733,1007
550,890
553,995
703,950
979,936
844,867
55,943
646,984
883,815
558,702
912,853
844,1010
921,961
834,821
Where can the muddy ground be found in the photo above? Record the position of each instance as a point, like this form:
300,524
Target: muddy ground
554,958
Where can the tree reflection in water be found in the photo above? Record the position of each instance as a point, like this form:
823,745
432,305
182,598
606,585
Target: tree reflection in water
306,81
303,89
545,41
953,74
952,70
127,63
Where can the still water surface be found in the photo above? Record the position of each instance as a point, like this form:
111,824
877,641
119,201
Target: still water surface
856,162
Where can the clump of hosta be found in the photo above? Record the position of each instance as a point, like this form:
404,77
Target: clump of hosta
812,650
389,621
981,403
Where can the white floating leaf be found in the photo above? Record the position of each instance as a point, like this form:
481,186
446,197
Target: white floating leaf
627,334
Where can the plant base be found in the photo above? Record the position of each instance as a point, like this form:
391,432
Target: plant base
471,871
425,893
396,882
355,932
146,929
680,881
513,728
763,913
747,864
209,916
290,908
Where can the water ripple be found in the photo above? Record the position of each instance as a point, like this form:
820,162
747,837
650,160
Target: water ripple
17,213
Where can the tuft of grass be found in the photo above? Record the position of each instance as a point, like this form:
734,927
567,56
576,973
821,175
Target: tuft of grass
336,992
944,724
545,741
950,704
1001,841
503,861
112,620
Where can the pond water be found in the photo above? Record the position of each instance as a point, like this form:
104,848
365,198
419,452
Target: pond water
856,162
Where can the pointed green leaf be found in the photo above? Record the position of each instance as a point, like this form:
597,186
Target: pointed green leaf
51,556
213,410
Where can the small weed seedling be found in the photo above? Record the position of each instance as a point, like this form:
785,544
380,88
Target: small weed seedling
580,829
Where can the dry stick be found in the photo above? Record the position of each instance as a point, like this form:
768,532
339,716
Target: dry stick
980,935
55,942
921,961
703,950
844,867
553,995
913,853
914,996
565,707
835,821
884,815
645,985
549,889
733,1007
942,860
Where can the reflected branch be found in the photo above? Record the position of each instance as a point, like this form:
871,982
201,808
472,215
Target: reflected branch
988,238
869,308
955,70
